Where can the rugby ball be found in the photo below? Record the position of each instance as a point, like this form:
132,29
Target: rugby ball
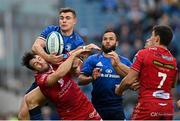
54,43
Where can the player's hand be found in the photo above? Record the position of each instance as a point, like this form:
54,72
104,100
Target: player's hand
135,86
55,59
96,73
114,58
92,46
178,104
79,51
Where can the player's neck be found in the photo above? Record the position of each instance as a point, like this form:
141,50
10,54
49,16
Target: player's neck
67,33
105,54
162,46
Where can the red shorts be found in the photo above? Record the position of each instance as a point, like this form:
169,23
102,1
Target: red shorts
153,111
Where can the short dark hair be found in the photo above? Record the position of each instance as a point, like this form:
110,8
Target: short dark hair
65,10
165,33
110,30
26,59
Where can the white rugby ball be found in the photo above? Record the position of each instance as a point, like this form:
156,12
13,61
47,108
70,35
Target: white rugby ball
54,43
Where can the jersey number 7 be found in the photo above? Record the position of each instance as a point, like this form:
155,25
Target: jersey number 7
164,76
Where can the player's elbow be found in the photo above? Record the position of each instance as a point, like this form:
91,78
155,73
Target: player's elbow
39,43
30,101
117,92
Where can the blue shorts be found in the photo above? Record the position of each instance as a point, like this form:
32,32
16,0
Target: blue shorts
111,114
33,86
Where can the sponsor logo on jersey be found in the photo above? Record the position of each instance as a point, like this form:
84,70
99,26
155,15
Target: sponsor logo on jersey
108,71
110,75
99,64
158,63
168,58
68,47
161,94
61,82
65,88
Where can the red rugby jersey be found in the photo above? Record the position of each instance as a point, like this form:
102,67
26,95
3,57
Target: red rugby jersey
157,72
70,101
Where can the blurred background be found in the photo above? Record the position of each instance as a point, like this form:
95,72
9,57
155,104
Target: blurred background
21,22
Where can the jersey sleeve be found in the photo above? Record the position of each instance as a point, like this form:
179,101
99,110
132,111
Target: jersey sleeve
88,67
79,41
42,80
48,30
138,60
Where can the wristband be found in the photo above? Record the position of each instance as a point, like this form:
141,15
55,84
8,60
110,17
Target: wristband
65,56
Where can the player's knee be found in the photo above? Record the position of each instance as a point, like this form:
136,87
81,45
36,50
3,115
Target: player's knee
31,103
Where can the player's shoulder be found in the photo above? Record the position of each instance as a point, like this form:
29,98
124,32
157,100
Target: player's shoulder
125,60
94,57
142,51
78,36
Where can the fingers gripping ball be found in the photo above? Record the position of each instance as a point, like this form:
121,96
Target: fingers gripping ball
54,43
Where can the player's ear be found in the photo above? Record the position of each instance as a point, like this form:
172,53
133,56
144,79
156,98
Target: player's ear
117,43
157,39
75,21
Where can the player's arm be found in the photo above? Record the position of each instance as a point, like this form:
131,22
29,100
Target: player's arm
63,68
76,67
38,48
84,79
89,46
120,68
127,81
178,103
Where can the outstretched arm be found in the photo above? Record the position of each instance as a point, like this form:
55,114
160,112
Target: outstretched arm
38,48
64,68
127,81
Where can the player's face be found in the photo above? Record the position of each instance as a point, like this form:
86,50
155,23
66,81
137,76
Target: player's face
109,42
67,21
39,64
151,41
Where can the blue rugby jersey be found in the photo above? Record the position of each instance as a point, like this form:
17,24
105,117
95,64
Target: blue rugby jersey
70,42
103,93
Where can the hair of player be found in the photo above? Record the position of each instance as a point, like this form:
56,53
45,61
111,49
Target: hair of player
110,30
65,10
26,59
165,33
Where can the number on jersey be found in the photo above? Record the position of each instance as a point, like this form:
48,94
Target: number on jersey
164,76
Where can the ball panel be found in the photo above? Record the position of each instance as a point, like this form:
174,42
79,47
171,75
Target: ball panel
54,43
